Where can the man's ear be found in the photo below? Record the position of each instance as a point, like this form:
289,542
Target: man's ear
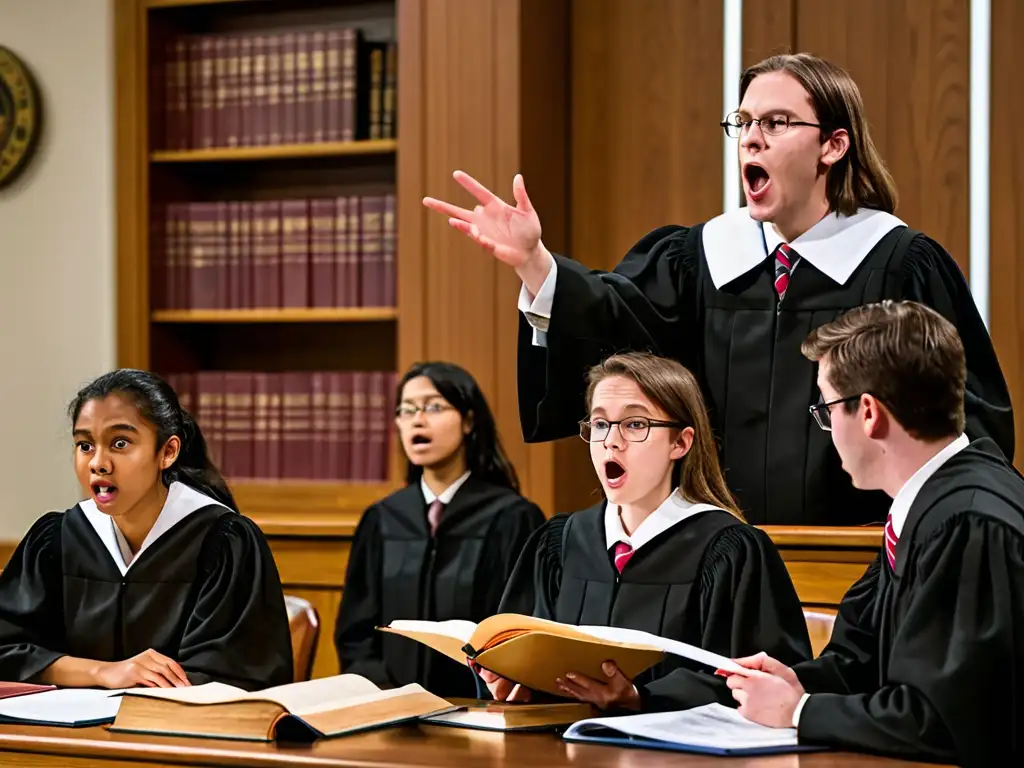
835,147
875,417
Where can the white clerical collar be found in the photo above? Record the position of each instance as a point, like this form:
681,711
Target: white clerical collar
181,502
446,495
905,498
734,243
672,511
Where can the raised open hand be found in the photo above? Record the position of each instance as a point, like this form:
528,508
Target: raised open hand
511,233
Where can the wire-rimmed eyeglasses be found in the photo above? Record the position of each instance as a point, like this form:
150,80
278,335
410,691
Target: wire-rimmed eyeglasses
821,411
772,125
633,429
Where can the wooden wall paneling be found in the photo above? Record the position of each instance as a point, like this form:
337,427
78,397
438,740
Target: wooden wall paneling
1006,225
646,145
769,28
131,173
911,60
410,183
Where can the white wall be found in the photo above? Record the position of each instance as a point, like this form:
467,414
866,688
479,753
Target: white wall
57,295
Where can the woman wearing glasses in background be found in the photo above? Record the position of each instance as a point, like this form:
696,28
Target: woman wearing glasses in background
733,298
442,547
666,552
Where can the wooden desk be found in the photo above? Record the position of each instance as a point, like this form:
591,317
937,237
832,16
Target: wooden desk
411,746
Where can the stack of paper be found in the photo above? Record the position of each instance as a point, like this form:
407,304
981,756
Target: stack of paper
712,729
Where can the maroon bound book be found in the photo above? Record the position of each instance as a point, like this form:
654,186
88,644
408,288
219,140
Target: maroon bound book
295,253
321,252
296,426
371,262
10,690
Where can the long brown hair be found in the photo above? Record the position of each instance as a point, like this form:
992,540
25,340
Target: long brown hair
673,389
860,178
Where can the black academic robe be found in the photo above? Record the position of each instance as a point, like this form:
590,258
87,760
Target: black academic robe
928,662
396,570
710,580
743,345
206,593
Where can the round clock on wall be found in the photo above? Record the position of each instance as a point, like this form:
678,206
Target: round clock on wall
19,116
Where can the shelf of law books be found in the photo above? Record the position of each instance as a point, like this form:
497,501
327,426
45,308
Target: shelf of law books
273,249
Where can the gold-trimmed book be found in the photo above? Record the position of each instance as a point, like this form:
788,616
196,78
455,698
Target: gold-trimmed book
535,652
297,712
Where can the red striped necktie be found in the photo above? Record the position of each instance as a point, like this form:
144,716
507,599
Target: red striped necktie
785,258
623,552
890,542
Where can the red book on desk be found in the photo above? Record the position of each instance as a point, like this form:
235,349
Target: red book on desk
10,690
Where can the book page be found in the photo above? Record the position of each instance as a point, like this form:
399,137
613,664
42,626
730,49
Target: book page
711,725
208,693
312,706
327,691
458,629
323,693
687,651
64,705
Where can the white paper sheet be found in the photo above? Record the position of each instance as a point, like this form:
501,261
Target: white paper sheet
66,706
712,725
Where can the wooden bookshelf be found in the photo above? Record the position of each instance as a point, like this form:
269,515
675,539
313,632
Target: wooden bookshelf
278,152
298,315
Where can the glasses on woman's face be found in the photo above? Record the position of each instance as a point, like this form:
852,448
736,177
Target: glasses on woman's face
633,429
408,411
771,125
821,411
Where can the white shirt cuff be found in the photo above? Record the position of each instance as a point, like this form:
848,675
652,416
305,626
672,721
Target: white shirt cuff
537,309
799,709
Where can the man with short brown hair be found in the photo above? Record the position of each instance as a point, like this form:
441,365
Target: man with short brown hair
926,659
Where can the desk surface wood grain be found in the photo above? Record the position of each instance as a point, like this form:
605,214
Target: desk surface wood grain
409,746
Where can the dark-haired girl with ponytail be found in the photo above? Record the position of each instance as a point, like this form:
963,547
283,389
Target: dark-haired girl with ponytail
154,579
442,547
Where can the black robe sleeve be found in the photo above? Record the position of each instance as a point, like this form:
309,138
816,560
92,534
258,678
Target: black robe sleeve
532,589
648,302
238,631
955,687
31,612
930,276
748,605
509,535
848,664
356,637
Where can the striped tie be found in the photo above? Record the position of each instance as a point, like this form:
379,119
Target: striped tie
623,552
785,258
890,542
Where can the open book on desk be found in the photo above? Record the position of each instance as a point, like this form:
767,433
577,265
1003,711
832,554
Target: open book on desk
301,712
534,652
711,729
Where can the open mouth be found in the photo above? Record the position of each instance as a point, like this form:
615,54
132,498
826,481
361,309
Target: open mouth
615,473
757,179
419,440
104,492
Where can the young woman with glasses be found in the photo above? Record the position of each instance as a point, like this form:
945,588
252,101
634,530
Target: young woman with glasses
442,547
734,297
665,552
